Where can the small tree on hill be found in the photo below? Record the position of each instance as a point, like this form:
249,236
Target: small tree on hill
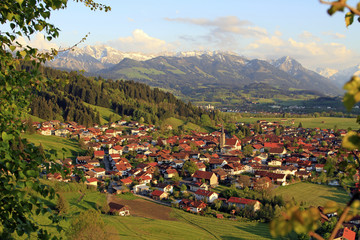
105,208
62,204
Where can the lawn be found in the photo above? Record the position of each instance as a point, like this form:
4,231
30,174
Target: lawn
71,146
313,194
320,122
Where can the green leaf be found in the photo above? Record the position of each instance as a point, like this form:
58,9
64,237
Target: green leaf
349,18
20,1
31,173
12,48
6,137
39,27
23,53
351,140
353,94
10,16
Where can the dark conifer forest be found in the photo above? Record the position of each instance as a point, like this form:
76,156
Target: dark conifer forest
65,100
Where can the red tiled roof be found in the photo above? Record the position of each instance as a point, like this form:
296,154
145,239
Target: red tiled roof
203,174
241,201
99,153
204,192
90,180
157,193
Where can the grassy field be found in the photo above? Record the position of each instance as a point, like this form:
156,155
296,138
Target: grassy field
320,122
183,226
313,194
72,147
104,113
175,123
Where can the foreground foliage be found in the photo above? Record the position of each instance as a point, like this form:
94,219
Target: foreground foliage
21,163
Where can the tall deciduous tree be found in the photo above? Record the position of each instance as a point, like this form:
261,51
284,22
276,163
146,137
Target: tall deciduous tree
20,170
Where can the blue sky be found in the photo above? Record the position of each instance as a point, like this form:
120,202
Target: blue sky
256,29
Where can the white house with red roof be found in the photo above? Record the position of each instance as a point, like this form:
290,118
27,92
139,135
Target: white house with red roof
99,172
99,154
91,181
243,203
205,195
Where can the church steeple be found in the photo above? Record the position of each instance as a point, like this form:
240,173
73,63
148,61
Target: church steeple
222,137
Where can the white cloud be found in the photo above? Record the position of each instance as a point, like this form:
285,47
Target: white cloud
140,42
334,35
38,41
308,36
223,33
225,25
311,53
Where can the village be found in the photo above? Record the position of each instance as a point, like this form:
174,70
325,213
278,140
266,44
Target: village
184,171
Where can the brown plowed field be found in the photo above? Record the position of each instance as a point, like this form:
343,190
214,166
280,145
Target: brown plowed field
144,208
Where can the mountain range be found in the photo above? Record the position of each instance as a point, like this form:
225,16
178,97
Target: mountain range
339,78
188,73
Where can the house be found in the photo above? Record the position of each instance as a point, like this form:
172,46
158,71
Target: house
275,177
164,187
345,234
193,206
82,159
141,188
159,195
207,196
99,172
198,185
243,203
209,177
47,131
319,167
275,162
170,173
233,168
279,151
118,209
91,181
126,181
303,174
99,154
220,173
233,143
63,132
117,149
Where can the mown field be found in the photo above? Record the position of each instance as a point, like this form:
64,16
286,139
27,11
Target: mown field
71,147
320,122
312,194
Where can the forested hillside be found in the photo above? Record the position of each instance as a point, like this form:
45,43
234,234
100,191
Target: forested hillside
65,100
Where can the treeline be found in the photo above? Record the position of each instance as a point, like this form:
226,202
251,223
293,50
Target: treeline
64,101
54,105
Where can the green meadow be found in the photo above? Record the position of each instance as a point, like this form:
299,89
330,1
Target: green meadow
320,122
312,194
71,146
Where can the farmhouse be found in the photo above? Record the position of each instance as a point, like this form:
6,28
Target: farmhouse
209,177
243,202
159,195
207,196
118,209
